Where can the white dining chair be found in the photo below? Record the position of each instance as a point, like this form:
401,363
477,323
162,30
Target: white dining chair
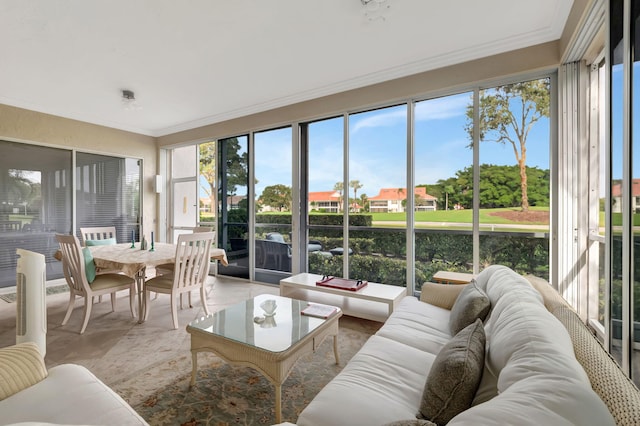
98,234
193,255
79,272
167,268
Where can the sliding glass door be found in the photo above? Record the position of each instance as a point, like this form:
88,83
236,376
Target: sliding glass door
233,205
37,187
108,194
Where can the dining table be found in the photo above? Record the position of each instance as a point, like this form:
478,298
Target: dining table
133,261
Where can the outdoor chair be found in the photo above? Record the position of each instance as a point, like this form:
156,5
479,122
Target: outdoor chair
273,255
193,255
79,272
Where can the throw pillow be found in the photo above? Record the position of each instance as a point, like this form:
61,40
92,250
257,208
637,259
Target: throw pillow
105,242
89,265
471,304
455,375
411,422
21,366
441,295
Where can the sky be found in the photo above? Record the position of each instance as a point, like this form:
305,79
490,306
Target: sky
377,148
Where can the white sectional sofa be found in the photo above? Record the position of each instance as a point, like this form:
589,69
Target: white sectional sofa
67,394
529,375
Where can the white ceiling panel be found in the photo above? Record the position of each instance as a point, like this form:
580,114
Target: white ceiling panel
198,62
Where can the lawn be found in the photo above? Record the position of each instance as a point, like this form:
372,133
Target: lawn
457,216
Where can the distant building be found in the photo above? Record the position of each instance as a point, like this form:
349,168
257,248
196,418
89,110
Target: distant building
233,202
328,201
390,200
616,195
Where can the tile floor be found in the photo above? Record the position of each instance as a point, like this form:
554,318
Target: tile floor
114,346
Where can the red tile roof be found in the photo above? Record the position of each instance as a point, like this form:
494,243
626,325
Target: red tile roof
324,196
401,194
616,190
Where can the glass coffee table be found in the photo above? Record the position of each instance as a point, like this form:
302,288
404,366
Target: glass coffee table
242,334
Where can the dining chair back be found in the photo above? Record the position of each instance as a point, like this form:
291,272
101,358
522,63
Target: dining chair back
167,268
99,233
191,268
79,272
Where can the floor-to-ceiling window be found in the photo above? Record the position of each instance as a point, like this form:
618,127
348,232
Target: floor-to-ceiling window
513,193
443,164
273,204
108,193
35,191
233,204
624,239
377,233
207,184
324,155
37,187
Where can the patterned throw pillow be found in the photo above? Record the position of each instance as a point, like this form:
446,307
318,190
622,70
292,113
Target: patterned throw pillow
471,304
105,242
455,375
21,366
89,265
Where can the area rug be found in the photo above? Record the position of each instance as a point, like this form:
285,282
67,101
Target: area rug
232,395
11,297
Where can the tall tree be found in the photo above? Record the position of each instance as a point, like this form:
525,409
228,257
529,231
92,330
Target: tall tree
208,171
448,189
355,184
277,196
507,115
339,187
364,202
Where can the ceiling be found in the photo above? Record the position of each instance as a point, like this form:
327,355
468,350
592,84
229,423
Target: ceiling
199,62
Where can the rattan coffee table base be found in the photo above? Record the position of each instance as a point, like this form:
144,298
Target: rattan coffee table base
275,366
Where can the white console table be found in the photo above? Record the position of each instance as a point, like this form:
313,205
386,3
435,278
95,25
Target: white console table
374,302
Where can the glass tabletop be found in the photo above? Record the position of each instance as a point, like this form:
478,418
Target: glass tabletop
245,322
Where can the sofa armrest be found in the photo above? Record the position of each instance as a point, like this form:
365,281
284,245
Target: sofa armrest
618,392
21,366
441,295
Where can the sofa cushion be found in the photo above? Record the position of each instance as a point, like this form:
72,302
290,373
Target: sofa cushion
455,375
382,383
418,324
471,304
21,366
70,395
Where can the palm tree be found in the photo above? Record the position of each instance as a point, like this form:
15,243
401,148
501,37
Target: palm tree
339,187
355,184
447,189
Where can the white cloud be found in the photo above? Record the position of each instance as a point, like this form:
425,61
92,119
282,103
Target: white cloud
442,108
381,119
433,109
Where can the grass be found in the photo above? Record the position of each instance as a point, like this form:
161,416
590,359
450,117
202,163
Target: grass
457,216
439,216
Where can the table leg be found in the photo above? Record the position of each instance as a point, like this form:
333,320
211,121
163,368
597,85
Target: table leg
335,349
194,367
140,276
278,403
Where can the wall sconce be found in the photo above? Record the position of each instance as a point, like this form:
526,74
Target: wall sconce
157,184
